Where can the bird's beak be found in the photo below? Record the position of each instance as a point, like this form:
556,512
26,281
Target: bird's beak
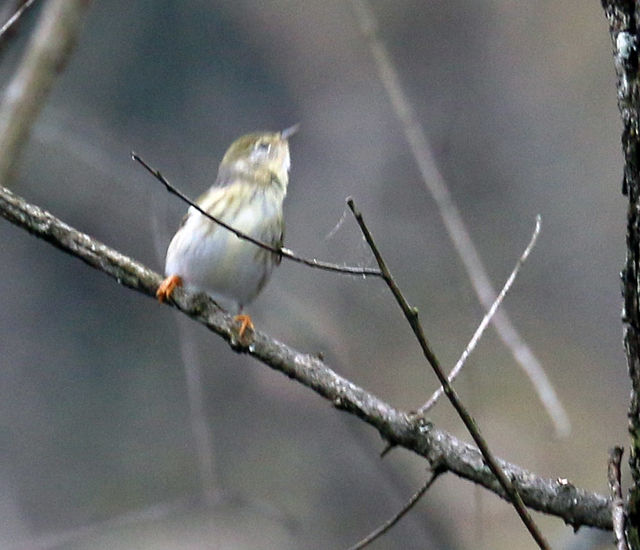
286,134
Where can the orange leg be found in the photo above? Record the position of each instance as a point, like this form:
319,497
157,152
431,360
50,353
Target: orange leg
245,323
167,287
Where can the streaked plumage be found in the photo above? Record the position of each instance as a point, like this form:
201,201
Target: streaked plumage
248,194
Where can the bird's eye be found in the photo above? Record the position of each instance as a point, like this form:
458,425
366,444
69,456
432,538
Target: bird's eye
263,147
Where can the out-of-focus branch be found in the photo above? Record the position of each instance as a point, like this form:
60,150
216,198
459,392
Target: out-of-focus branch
623,17
485,321
46,56
575,506
453,222
68,538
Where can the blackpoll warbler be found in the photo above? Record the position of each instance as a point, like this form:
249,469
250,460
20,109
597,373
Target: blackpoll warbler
248,194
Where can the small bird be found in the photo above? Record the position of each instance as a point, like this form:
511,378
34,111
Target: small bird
247,195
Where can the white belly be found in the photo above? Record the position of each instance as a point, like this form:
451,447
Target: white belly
231,270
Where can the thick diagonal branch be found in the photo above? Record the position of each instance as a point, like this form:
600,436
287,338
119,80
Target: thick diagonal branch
443,451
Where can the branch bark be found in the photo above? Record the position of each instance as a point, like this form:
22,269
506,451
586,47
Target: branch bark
453,220
411,315
623,18
444,452
617,502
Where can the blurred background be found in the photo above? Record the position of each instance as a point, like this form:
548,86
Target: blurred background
100,444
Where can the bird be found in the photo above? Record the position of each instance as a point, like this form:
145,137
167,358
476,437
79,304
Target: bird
247,194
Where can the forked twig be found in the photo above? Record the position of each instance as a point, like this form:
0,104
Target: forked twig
574,505
485,320
377,533
284,252
411,314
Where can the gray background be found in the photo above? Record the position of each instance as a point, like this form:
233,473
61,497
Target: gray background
518,101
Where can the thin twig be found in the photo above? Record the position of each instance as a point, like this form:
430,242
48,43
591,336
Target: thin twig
575,506
411,314
377,533
480,330
453,222
284,252
17,15
485,320
617,502
48,51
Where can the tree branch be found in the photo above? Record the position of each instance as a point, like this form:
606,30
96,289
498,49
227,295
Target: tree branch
457,368
575,506
452,218
18,10
281,251
411,315
617,506
623,18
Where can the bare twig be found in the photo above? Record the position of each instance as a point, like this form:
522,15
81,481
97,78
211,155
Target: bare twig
377,533
46,55
411,314
485,320
453,222
14,18
575,506
284,252
617,502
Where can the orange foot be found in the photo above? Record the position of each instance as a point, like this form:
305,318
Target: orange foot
167,287
245,323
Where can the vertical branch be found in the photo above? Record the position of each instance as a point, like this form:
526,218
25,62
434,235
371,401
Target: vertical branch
617,502
46,55
411,315
453,220
201,429
622,16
